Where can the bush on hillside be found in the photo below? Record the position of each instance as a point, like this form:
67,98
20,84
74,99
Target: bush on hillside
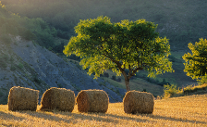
173,91
170,90
106,74
5,39
202,80
113,77
192,88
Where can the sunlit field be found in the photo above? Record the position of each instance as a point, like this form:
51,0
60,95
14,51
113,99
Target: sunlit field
181,111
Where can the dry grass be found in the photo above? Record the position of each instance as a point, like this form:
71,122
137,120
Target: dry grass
181,111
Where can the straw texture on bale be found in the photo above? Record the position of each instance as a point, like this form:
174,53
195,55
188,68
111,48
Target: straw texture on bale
58,99
138,102
21,98
92,101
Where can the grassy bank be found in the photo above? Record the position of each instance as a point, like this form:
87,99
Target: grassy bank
173,91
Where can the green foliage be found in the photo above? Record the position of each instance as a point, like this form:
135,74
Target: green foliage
103,45
177,19
196,61
192,88
173,91
181,21
6,39
170,90
37,80
106,74
4,60
202,80
113,77
37,29
29,29
129,45
27,34
20,66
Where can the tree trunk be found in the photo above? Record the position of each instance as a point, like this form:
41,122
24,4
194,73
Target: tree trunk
127,83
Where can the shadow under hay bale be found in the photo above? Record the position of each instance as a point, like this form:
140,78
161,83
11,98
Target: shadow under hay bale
21,98
138,102
58,99
92,101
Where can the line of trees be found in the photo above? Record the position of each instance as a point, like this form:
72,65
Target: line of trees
34,29
181,21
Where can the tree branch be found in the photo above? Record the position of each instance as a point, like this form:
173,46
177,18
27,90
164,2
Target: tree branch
134,71
129,70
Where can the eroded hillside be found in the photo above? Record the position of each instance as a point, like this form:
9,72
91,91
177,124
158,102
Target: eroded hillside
24,63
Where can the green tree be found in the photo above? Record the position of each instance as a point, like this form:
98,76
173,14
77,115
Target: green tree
196,61
135,46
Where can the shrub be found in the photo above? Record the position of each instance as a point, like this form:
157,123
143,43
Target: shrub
113,77
118,80
6,39
202,80
36,79
20,66
192,89
106,75
170,90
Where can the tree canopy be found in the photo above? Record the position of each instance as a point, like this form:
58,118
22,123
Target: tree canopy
196,61
132,45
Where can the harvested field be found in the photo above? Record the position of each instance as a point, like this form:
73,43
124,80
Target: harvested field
189,111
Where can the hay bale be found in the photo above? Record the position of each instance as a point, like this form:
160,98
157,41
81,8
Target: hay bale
138,102
21,98
92,101
58,99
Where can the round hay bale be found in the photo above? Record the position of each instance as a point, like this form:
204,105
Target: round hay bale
21,98
92,101
138,102
58,99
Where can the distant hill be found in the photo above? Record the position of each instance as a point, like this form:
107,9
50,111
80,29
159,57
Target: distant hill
182,21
